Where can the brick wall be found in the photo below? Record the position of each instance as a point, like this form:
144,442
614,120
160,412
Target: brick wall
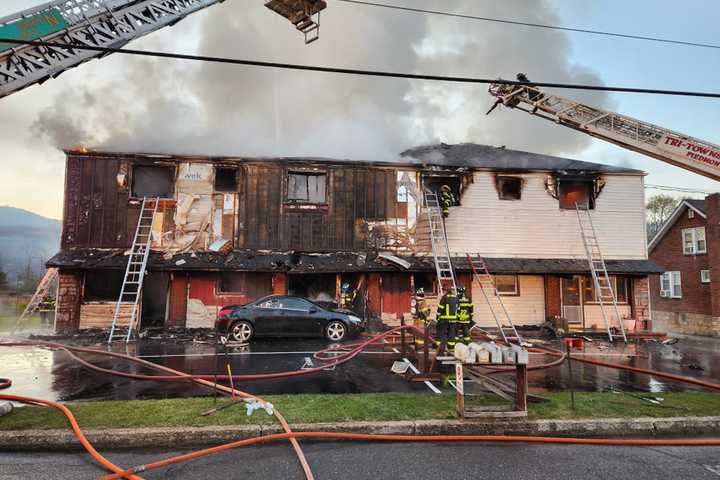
641,300
552,297
668,254
67,316
686,323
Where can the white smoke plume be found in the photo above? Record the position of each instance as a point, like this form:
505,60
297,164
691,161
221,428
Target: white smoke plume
180,107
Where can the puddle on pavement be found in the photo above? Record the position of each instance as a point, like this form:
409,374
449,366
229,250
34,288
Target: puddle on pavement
53,375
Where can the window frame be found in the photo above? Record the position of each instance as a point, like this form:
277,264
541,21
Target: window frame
308,201
172,170
588,281
500,180
703,279
591,189
694,240
675,289
516,279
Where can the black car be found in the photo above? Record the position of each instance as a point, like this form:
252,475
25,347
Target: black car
285,316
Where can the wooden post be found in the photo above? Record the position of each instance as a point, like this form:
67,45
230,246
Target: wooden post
460,390
403,344
426,351
522,388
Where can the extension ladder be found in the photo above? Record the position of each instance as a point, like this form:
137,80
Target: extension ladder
40,293
440,249
598,270
131,290
482,276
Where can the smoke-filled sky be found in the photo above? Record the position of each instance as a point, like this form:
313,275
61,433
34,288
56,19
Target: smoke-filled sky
134,104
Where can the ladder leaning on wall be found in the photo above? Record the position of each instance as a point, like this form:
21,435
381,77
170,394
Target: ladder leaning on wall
482,276
598,271
440,249
40,293
131,290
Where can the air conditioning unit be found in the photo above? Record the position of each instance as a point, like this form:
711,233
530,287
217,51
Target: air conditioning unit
665,293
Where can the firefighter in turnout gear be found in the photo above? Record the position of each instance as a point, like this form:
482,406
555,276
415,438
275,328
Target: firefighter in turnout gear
420,313
447,321
446,200
465,317
347,296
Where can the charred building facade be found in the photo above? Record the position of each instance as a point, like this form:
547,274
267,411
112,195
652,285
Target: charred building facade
230,230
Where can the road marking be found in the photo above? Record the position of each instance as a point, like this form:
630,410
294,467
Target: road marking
713,468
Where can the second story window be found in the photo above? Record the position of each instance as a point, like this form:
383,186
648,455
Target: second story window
575,192
694,241
153,181
670,285
705,276
509,188
306,187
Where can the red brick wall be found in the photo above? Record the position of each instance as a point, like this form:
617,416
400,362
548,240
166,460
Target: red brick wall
641,301
67,318
668,254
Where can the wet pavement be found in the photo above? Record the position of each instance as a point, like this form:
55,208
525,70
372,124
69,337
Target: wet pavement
53,375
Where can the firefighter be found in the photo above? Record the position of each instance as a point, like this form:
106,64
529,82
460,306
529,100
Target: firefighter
420,313
446,322
533,94
46,308
465,317
347,296
446,200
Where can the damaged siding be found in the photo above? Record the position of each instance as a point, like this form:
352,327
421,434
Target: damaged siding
528,308
498,228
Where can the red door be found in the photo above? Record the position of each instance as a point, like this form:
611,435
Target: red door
396,293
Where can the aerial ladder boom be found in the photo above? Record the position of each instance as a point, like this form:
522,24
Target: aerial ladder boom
106,24
660,143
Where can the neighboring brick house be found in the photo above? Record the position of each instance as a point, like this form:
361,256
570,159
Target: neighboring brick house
685,297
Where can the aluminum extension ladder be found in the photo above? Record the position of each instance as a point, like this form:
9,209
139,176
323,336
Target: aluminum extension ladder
131,291
40,293
440,249
598,270
497,307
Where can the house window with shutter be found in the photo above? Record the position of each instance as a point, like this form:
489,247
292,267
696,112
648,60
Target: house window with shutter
670,285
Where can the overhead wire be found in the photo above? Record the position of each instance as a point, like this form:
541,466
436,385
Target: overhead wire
536,25
355,71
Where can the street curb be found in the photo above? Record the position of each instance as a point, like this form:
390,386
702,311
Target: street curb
173,438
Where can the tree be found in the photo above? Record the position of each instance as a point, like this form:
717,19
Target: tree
659,208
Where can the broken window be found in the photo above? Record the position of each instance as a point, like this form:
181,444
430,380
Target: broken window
153,181
226,179
576,192
435,184
509,188
507,285
306,187
402,194
426,281
103,285
252,284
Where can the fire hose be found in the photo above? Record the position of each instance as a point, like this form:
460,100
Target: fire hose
338,357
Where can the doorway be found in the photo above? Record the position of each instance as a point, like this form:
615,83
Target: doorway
154,299
572,306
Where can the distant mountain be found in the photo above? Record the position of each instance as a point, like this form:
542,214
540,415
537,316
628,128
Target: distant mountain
25,235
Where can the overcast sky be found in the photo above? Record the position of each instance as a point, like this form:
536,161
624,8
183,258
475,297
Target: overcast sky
131,104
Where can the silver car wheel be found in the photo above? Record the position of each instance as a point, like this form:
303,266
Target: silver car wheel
241,332
335,331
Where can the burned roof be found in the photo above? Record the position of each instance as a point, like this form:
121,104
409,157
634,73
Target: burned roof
462,155
473,155
338,262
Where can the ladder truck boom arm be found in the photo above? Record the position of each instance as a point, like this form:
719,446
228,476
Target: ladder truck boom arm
660,143
95,23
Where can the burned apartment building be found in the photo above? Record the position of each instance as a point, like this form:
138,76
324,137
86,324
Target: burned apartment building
229,230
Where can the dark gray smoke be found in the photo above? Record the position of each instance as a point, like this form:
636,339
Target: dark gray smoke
179,107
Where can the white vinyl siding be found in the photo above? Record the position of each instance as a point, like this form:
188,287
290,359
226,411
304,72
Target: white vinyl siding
528,308
536,227
694,241
671,285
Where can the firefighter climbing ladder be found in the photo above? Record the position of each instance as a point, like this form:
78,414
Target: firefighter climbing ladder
598,270
131,290
492,297
37,298
438,237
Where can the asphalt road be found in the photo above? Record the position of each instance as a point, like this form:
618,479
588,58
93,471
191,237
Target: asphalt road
350,461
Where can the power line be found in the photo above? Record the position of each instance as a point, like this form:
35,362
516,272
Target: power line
676,189
351,71
536,25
